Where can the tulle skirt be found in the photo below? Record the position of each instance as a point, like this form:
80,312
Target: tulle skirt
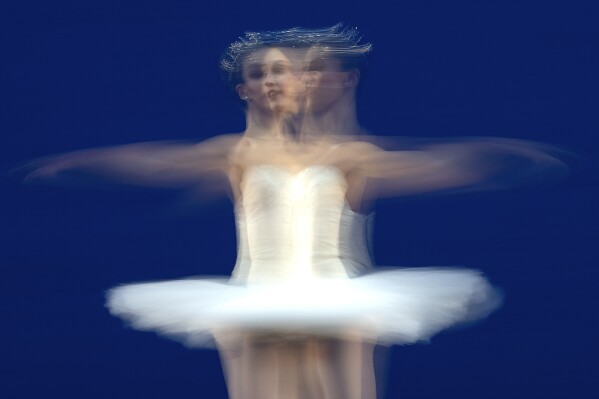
389,306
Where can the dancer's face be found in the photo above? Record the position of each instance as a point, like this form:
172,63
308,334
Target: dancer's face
272,81
326,82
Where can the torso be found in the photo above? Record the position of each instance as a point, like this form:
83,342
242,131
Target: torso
296,157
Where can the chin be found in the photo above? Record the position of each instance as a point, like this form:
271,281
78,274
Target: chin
281,108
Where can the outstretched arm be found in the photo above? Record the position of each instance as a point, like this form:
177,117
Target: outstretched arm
474,163
150,164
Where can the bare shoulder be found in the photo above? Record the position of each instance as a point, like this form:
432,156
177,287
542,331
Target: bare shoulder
219,146
361,146
358,150
238,150
222,141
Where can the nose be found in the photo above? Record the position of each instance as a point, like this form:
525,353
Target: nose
311,78
270,79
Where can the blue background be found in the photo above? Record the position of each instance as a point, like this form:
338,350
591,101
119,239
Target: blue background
79,74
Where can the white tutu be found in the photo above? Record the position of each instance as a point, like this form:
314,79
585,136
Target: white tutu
297,252
398,306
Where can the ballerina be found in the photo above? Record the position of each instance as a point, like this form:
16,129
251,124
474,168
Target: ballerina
298,317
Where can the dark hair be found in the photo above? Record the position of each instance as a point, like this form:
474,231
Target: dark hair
337,41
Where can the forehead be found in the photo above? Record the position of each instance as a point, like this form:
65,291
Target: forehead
268,56
323,61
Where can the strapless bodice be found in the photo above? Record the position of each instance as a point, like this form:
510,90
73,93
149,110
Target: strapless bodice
298,225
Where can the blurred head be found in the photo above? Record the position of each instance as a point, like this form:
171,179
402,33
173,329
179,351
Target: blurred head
332,56
271,80
334,68
264,70
327,80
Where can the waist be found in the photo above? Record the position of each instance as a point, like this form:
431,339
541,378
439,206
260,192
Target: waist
283,269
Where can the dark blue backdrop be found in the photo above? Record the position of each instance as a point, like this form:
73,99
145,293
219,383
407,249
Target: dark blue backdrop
88,73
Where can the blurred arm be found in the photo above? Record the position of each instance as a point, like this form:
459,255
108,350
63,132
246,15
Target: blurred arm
484,163
152,163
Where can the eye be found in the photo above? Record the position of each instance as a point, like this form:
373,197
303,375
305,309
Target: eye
255,73
316,65
279,68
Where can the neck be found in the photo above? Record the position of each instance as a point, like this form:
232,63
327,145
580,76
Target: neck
339,119
265,125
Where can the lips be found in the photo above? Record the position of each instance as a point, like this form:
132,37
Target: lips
273,93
